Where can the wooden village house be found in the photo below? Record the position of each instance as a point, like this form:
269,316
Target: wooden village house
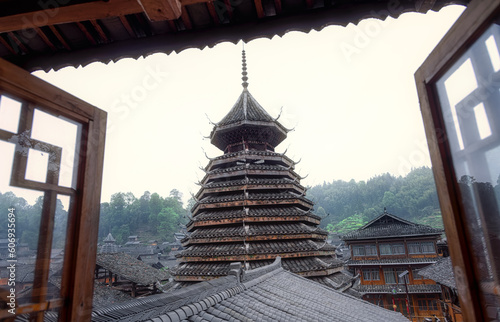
128,274
44,35
442,273
382,251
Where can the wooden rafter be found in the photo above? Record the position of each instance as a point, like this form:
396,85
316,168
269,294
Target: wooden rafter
18,42
127,26
171,25
159,10
186,20
7,45
45,38
86,33
229,8
259,8
277,5
60,37
213,12
99,30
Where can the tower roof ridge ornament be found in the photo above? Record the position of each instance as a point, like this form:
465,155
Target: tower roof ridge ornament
244,73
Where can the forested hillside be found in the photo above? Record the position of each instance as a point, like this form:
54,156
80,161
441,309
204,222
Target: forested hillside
349,205
27,220
342,205
149,216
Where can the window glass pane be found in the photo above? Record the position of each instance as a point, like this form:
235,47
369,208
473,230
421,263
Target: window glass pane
359,250
428,248
371,250
385,249
491,45
398,249
469,98
389,276
414,248
9,114
66,137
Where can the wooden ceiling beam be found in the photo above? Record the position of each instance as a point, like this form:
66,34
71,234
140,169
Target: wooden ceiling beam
94,11
159,10
79,12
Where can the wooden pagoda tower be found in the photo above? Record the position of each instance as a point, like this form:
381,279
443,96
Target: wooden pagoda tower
251,207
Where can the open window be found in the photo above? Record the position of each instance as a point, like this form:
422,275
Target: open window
459,92
53,145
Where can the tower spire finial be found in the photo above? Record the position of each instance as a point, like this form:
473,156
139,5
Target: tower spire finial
244,72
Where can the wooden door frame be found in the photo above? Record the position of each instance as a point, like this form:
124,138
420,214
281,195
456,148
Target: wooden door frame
470,25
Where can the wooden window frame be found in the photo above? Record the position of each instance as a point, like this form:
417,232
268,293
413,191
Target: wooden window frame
469,27
77,283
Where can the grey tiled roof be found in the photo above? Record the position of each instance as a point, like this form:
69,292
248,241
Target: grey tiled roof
130,268
252,111
271,247
252,181
265,294
253,212
254,196
387,225
441,272
295,265
256,230
400,288
393,261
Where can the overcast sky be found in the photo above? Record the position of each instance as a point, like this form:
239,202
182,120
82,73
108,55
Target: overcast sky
348,91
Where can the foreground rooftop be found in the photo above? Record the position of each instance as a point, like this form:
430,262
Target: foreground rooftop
268,293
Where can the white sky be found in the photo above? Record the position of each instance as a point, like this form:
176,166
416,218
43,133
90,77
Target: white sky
348,91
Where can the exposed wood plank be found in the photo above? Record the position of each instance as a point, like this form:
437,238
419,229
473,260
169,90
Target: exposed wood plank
86,33
18,42
45,39
79,12
186,20
213,12
60,37
259,8
99,30
159,10
127,26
